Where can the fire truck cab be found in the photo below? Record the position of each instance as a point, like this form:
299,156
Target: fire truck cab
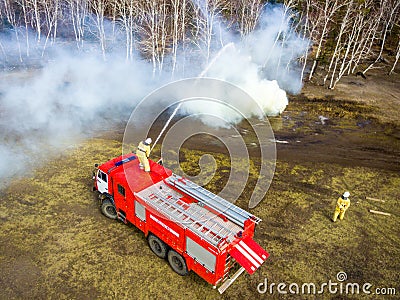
194,229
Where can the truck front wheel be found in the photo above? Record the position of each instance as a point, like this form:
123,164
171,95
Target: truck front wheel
108,209
177,263
157,246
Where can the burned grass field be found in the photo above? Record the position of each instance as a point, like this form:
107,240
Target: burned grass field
55,243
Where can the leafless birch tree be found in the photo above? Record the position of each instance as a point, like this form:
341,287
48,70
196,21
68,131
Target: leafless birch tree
99,7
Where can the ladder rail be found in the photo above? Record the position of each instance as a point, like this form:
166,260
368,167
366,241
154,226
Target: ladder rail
210,195
203,224
215,223
233,212
220,200
163,203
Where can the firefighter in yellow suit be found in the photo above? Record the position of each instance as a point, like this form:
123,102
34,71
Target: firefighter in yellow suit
342,205
143,152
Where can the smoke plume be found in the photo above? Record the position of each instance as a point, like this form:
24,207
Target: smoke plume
71,94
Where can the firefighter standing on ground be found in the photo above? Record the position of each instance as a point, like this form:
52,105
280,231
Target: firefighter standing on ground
342,205
143,152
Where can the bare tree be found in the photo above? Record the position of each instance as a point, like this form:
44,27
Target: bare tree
10,14
325,17
397,56
127,11
340,43
367,30
34,9
307,30
99,9
23,5
3,17
205,22
152,27
344,36
178,29
78,11
248,13
389,10
51,9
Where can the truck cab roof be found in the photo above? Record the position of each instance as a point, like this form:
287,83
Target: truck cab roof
125,169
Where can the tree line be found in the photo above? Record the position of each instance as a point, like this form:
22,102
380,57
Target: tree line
345,36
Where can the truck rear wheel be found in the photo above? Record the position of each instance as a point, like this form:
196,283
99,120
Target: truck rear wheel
157,246
177,263
108,209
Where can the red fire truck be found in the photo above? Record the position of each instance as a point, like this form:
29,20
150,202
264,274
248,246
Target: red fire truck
194,229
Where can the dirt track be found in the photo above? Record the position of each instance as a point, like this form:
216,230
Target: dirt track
54,243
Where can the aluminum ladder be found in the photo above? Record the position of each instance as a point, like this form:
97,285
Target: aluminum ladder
228,209
198,219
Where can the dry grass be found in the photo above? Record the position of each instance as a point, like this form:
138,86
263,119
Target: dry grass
54,243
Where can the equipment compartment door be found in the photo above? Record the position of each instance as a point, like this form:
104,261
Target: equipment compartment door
140,215
140,211
199,253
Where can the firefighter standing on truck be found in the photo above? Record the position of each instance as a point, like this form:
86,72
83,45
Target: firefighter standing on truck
143,152
342,205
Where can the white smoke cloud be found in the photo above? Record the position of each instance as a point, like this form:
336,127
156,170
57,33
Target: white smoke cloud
76,93
264,64
68,98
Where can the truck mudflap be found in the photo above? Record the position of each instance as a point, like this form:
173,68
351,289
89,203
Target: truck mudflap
249,254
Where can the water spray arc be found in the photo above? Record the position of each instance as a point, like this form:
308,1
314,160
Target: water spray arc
166,124
216,57
202,74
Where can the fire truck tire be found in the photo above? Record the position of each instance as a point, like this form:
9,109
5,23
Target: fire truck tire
177,263
108,209
157,246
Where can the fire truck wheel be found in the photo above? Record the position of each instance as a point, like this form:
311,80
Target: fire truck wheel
177,263
157,246
108,209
